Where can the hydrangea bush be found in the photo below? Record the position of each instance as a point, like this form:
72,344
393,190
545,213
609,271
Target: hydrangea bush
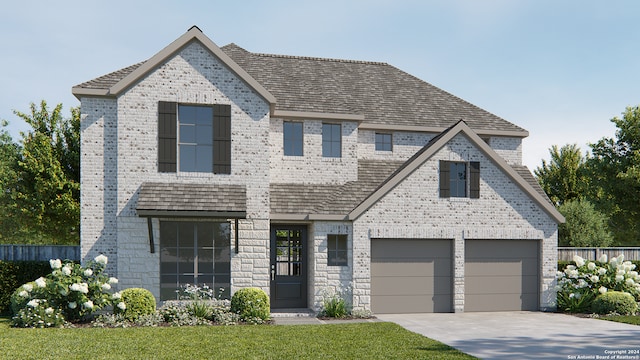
580,284
71,290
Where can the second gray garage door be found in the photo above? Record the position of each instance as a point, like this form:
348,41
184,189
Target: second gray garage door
501,275
411,276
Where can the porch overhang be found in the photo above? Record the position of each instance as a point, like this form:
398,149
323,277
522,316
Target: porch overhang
196,201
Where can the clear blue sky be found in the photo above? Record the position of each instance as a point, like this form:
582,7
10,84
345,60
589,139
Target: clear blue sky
560,69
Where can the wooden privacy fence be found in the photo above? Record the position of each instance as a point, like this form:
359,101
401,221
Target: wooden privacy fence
39,252
590,253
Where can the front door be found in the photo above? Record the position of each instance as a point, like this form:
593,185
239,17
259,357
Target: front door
288,266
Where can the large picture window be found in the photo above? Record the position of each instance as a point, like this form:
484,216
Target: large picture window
194,253
331,140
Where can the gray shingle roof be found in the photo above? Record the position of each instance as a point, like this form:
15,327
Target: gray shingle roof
530,179
192,197
108,80
331,199
382,93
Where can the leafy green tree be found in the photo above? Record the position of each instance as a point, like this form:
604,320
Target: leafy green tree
46,192
614,170
563,177
584,226
9,153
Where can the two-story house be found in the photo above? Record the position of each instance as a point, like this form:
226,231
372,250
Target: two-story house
214,165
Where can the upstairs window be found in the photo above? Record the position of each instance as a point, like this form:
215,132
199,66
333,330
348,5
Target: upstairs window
459,179
194,138
331,140
384,142
293,138
195,144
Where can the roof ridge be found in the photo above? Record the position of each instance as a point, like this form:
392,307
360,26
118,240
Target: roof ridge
313,58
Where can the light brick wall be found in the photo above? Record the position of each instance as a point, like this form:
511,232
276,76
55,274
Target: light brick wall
405,144
192,76
414,209
98,167
119,152
312,168
509,148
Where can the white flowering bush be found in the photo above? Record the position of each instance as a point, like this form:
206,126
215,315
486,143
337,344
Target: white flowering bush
336,302
39,314
70,289
580,284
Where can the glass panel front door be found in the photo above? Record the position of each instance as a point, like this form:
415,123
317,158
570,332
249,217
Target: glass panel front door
288,268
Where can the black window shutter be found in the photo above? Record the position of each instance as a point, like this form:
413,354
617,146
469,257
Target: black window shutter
445,183
474,180
222,139
167,117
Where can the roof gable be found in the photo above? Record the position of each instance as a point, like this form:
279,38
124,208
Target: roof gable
115,83
434,146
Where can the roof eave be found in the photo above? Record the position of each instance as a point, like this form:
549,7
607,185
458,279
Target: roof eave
437,130
80,92
310,115
307,217
191,213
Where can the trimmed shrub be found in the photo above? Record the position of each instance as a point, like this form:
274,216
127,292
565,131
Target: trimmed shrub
15,273
137,302
615,302
251,304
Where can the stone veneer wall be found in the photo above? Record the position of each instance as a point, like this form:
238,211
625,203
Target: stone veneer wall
414,210
325,280
192,76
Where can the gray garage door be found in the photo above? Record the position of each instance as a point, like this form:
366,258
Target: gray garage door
411,276
501,275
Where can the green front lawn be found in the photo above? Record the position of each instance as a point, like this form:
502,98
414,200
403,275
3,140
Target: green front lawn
627,319
338,341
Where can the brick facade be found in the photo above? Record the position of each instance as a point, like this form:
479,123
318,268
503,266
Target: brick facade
120,152
414,210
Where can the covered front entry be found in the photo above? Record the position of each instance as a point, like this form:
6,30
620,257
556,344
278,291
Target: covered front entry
501,275
411,276
288,266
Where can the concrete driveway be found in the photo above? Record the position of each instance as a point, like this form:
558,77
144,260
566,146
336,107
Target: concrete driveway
526,335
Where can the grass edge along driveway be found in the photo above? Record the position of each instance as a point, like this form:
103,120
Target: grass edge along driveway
378,340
